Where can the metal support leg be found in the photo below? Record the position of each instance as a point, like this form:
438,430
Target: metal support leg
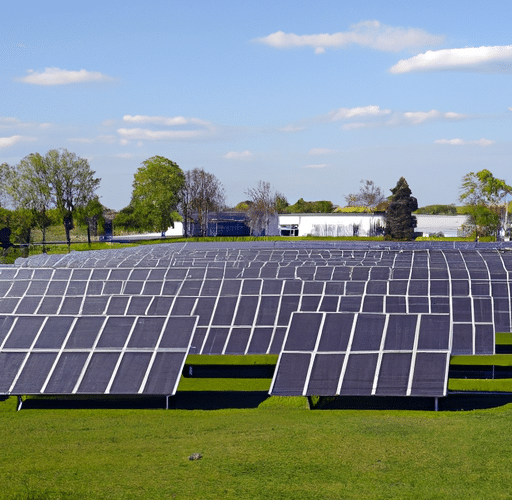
20,402
436,404
166,402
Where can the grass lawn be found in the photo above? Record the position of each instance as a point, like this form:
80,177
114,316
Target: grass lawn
279,450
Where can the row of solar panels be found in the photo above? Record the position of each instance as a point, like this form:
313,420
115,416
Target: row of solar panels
323,354
190,255
80,329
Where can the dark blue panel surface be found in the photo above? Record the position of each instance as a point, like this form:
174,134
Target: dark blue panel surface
394,374
99,372
429,374
359,375
303,332
66,373
34,373
325,375
400,333
434,332
165,372
368,332
291,373
130,373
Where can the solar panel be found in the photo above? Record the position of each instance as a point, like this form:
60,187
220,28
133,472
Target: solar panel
246,300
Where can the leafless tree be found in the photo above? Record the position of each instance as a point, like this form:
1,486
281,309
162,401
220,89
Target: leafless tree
201,194
369,195
264,200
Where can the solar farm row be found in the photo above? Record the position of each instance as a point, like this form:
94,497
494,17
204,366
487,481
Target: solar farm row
123,321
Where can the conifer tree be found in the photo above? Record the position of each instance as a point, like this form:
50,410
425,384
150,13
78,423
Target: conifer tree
400,222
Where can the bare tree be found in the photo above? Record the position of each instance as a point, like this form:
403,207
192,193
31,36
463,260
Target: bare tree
264,205
202,193
369,195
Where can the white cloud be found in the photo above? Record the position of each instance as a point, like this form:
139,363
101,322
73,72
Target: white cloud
479,59
180,128
57,76
322,165
234,155
123,155
354,125
321,151
6,142
164,120
462,142
510,109
107,139
292,128
366,111
416,117
9,122
158,135
370,34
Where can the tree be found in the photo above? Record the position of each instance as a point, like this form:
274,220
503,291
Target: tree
5,180
201,194
400,222
263,207
369,195
156,192
73,184
30,188
485,197
311,207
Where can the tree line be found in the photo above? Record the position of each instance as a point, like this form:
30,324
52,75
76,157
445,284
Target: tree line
60,187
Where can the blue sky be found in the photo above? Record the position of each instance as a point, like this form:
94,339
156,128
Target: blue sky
311,97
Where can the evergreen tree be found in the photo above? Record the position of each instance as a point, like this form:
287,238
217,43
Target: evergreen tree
400,222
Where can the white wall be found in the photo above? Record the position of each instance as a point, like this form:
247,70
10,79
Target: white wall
340,224
331,224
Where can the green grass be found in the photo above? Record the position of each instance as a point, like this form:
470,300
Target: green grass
480,385
480,360
503,338
224,384
279,451
226,359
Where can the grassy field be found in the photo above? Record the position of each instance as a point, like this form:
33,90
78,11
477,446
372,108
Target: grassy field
279,450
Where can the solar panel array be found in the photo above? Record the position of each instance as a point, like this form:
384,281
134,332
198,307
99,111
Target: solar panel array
122,321
364,354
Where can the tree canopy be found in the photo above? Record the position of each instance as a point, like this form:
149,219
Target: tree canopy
369,195
263,206
59,180
400,222
156,193
201,193
485,198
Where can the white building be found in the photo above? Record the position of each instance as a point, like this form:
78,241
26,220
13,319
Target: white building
362,224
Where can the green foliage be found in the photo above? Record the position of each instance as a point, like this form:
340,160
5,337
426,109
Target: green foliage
400,222
484,196
483,221
243,206
437,210
156,193
353,210
310,207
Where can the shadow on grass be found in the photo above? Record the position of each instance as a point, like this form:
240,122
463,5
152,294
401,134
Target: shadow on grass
453,402
208,400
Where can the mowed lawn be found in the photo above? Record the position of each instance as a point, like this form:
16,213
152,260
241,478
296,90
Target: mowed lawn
279,450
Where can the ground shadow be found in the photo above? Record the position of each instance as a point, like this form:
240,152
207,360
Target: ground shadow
452,402
207,400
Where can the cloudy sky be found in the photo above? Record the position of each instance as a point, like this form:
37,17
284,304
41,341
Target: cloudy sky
311,97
